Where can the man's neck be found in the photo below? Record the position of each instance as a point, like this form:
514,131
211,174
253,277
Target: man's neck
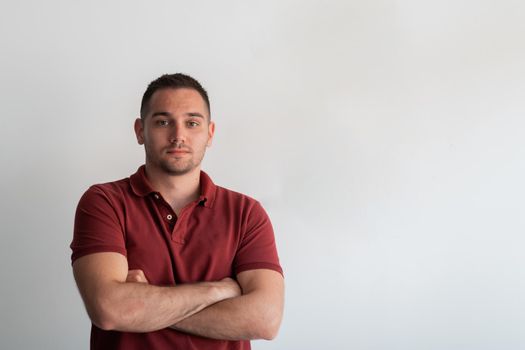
177,190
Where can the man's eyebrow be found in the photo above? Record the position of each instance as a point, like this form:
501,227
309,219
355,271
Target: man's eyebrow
161,114
195,114
168,114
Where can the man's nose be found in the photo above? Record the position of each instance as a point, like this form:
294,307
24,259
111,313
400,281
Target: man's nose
177,134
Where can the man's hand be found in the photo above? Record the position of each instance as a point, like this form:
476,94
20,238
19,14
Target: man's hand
136,276
231,287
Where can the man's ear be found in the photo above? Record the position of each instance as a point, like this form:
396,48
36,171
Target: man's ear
211,132
139,130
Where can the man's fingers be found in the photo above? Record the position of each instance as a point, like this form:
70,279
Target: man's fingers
233,288
136,276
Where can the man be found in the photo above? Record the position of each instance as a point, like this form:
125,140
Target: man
165,259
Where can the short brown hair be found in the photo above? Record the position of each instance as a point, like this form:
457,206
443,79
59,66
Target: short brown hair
172,81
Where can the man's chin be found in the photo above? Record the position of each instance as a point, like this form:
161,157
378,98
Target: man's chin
177,170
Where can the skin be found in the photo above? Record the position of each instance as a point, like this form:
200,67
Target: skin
175,133
254,315
113,302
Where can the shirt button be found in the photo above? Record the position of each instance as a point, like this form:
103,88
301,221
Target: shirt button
169,217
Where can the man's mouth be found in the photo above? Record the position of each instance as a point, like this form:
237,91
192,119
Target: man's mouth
177,151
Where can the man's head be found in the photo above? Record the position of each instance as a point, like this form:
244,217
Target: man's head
172,81
174,126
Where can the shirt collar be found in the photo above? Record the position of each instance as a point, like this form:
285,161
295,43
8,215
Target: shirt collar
140,184
141,187
208,190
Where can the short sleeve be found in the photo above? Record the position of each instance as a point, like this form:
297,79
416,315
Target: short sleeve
98,225
257,249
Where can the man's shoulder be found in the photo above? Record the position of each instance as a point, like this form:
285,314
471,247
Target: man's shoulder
224,191
112,186
231,198
113,189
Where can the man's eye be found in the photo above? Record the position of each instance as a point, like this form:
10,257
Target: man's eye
193,124
162,122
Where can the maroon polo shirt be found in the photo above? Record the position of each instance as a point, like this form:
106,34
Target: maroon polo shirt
219,235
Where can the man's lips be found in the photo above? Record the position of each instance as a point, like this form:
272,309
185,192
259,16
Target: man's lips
177,151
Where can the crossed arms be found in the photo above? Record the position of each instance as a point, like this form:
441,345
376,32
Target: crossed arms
115,299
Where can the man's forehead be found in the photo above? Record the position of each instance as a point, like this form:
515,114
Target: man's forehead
177,97
177,93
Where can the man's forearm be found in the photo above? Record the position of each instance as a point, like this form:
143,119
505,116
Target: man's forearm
232,319
255,315
139,307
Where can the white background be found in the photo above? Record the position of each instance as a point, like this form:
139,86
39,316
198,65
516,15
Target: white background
384,138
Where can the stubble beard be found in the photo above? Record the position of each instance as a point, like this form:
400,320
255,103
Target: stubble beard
177,167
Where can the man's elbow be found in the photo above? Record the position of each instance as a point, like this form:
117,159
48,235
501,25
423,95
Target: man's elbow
268,333
112,316
269,325
103,323
102,315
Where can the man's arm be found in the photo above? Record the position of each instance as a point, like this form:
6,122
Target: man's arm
256,314
114,304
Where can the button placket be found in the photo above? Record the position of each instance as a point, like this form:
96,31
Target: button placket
165,211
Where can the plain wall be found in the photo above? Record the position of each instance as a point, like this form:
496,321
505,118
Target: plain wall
384,138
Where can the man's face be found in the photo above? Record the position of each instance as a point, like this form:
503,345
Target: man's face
175,131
